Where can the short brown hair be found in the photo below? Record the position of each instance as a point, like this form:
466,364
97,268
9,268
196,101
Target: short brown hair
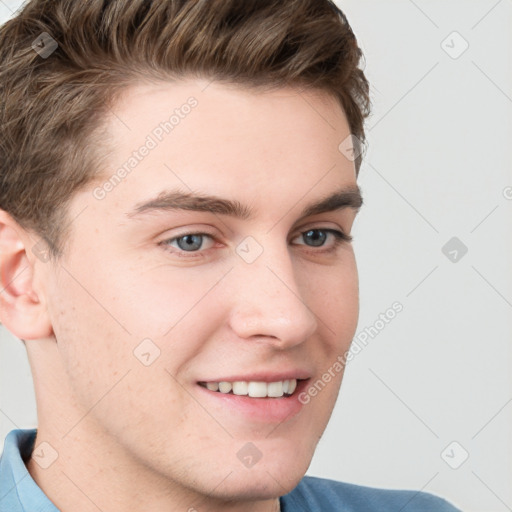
52,107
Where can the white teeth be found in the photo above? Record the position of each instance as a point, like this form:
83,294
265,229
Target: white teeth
275,389
240,388
225,387
254,389
257,389
212,386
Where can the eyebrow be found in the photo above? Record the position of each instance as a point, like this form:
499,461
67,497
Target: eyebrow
348,197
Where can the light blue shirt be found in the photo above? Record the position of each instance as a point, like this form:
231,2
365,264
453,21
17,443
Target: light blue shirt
19,492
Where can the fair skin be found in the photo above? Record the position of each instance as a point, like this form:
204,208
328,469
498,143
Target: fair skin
132,437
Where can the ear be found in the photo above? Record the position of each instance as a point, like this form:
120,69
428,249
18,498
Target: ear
22,311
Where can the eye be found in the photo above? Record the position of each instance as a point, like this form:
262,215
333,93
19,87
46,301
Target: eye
191,242
319,237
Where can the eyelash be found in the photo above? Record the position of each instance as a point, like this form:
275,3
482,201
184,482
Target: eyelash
339,238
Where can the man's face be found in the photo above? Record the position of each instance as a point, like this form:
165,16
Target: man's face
151,303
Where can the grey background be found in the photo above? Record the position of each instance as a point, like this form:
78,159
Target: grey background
433,386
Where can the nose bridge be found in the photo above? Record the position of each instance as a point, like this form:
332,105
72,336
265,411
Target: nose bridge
269,301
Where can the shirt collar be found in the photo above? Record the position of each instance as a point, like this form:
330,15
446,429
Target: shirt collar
18,490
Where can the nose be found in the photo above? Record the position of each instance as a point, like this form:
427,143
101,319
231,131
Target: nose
268,305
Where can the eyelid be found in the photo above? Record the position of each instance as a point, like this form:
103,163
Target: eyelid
339,234
166,242
321,226
180,232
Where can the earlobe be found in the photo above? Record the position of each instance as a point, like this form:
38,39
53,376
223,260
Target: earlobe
21,310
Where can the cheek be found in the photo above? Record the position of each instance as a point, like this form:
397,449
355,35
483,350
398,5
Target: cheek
100,317
333,294
334,297
106,373
158,300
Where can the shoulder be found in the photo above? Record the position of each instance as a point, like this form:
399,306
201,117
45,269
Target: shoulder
329,495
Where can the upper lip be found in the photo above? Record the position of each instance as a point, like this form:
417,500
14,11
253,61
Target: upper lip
264,376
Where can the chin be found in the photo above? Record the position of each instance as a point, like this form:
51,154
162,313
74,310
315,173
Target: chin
268,478
252,485
273,477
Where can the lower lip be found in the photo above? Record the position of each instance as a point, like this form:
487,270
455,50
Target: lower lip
269,410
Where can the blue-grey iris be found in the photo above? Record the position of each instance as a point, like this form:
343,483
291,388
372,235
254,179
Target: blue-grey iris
315,236
190,242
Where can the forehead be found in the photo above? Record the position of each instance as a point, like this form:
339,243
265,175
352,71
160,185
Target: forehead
142,101
199,113
225,140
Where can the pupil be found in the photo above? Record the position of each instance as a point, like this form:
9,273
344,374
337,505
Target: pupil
190,242
316,237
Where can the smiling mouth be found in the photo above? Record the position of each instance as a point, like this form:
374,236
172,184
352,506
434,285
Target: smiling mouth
254,389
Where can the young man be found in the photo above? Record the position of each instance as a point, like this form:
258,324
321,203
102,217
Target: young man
177,192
